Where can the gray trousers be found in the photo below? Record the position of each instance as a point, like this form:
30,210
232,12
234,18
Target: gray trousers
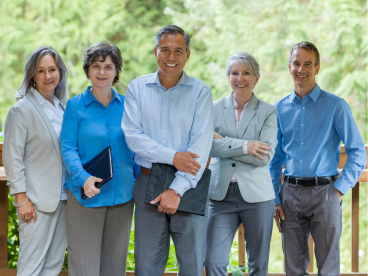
224,218
152,237
98,238
43,243
311,210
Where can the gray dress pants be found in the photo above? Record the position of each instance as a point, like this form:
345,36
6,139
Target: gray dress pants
224,218
43,243
152,237
98,238
311,210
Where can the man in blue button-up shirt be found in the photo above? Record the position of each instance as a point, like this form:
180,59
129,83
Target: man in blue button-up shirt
312,123
168,119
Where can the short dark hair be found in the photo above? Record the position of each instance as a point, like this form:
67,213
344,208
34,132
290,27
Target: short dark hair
103,49
310,47
172,29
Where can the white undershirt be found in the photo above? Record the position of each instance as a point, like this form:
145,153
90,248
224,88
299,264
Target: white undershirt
237,120
55,114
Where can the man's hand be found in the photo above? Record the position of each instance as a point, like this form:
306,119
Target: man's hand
184,161
257,147
169,201
217,136
339,194
89,186
279,214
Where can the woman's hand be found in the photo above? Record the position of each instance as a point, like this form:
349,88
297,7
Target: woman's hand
256,147
27,211
89,186
217,136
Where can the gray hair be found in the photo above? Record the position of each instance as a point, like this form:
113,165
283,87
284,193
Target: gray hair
172,29
308,46
31,68
242,57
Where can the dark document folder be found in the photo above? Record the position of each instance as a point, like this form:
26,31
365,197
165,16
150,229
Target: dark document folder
100,166
194,201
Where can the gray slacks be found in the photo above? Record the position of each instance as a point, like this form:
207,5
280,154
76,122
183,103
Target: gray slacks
43,243
98,238
224,218
152,237
312,211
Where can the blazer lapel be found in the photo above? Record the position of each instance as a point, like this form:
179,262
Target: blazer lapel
49,125
249,113
229,115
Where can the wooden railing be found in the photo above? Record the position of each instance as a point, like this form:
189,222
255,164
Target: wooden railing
354,238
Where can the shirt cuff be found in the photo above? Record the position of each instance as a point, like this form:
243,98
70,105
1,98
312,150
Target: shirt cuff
82,178
342,186
166,156
277,199
180,184
245,146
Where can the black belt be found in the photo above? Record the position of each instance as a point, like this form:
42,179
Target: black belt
310,181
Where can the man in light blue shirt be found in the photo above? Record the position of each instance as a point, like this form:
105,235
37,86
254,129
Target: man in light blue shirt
168,119
312,123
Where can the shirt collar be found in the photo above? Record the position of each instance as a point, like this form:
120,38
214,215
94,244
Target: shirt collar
41,100
88,96
184,79
314,94
236,104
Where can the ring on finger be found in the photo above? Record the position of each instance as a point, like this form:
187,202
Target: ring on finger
27,218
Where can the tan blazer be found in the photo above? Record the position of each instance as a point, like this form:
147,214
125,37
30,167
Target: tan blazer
259,122
31,154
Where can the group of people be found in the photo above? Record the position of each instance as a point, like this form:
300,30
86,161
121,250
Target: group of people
169,117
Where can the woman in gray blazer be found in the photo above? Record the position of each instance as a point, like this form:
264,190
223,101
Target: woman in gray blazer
241,189
33,164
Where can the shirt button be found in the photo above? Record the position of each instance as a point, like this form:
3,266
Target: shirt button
302,143
229,147
303,107
167,93
164,141
301,124
301,161
164,125
233,164
165,108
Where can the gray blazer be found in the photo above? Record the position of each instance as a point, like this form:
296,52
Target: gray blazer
259,122
31,154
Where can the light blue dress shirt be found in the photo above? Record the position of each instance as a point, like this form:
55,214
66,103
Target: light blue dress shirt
309,139
88,128
158,122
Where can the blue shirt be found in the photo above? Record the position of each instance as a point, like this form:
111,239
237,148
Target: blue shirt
158,122
309,138
88,128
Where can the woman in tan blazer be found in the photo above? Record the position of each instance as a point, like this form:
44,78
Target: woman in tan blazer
33,164
241,189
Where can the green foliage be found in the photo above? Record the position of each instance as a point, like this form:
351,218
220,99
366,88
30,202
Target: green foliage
13,234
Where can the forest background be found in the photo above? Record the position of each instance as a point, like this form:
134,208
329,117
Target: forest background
218,28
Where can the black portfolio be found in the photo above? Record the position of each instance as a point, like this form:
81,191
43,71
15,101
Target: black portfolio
100,166
194,201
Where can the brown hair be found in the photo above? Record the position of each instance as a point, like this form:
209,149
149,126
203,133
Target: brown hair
310,47
103,49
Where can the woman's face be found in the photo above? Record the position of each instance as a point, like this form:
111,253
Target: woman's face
242,79
102,73
47,75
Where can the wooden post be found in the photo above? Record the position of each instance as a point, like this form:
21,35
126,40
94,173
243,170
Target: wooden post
311,256
241,247
355,229
3,224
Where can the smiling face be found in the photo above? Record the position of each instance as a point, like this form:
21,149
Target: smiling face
303,69
102,73
171,56
242,80
47,76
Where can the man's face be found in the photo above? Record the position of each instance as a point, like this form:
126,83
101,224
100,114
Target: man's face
171,55
303,69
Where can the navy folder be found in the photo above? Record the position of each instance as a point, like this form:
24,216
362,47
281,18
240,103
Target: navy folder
193,201
100,166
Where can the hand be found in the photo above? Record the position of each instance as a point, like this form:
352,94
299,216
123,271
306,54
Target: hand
256,147
185,162
169,201
339,194
27,211
279,214
217,136
89,186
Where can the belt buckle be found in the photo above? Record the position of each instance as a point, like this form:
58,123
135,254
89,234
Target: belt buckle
296,180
